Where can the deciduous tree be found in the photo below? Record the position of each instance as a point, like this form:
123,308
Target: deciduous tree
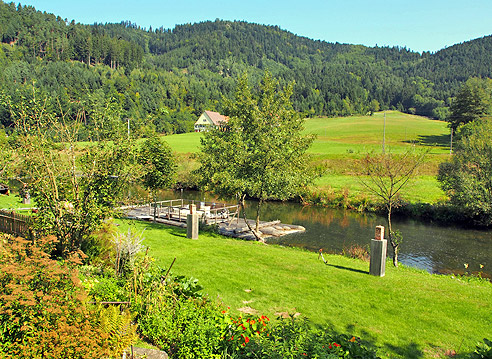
74,187
386,175
159,166
467,177
262,151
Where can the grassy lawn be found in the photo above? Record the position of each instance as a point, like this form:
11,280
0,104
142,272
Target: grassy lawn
12,202
423,188
408,313
184,142
340,141
365,133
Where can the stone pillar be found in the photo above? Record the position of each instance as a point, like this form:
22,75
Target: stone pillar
27,198
192,223
379,246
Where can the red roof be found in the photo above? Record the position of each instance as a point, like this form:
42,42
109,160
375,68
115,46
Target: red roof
217,118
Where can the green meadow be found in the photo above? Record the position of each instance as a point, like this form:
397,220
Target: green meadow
12,202
341,141
406,314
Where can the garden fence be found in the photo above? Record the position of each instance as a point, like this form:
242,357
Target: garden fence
14,223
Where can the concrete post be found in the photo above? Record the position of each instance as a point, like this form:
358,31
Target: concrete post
379,246
192,223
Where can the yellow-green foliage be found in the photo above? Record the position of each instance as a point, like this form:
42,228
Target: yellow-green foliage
118,324
44,311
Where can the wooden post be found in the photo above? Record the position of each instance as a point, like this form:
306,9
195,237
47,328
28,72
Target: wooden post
379,245
192,225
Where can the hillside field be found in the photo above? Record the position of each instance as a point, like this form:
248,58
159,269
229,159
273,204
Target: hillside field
340,141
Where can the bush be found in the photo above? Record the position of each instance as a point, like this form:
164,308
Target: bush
43,311
296,338
483,351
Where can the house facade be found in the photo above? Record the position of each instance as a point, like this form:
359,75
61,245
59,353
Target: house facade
209,120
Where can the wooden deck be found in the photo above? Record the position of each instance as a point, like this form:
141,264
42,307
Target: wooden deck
225,217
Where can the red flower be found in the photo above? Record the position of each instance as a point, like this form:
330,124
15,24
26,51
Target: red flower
337,345
246,339
329,346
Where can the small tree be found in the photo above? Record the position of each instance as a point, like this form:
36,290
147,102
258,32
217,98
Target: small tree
467,178
261,152
374,106
385,175
75,187
159,166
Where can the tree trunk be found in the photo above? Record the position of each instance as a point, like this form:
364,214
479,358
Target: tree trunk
390,237
155,206
258,207
255,233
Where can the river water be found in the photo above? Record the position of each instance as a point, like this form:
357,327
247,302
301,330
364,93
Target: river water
434,248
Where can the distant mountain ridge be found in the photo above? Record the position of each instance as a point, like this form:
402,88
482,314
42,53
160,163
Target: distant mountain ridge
172,75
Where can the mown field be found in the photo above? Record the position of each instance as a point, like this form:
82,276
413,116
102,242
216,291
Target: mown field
341,141
407,314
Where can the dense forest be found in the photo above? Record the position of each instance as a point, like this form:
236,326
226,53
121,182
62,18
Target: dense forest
162,79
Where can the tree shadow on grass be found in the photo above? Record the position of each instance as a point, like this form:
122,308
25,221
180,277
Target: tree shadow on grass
432,140
176,231
347,268
409,351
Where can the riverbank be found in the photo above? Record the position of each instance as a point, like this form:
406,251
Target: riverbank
408,313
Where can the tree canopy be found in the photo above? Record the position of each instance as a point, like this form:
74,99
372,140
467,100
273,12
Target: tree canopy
472,102
385,176
163,79
261,152
467,177
159,165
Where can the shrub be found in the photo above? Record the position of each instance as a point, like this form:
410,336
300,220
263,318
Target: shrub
483,350
296,338
43,311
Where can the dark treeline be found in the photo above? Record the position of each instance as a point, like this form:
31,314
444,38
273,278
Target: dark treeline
163,79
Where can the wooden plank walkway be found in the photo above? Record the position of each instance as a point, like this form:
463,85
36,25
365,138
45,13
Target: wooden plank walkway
228,223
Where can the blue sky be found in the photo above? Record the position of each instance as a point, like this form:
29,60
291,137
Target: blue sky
421,25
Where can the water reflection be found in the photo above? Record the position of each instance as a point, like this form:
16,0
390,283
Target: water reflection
434,248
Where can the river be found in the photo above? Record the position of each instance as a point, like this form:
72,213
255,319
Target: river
434,248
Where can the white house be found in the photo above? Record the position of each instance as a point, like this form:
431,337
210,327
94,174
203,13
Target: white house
210,119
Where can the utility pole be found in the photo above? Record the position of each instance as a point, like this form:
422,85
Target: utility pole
384,131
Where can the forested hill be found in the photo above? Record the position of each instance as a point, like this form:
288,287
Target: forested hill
163,79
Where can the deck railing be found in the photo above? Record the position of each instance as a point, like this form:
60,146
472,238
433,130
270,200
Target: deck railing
211,212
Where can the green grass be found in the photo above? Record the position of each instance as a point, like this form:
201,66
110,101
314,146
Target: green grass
12,202
356,134
365,133
408,313
424,189
340,141
184,142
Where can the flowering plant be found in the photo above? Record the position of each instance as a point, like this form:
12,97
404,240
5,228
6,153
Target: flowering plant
238,331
